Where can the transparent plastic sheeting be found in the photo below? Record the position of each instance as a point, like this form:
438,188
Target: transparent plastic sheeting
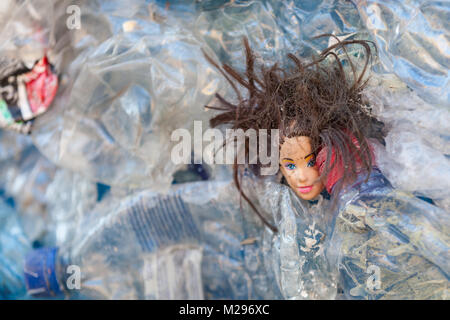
134,72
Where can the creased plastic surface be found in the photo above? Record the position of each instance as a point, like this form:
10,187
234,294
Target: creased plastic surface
389,244
125,59
298,255
13,246
412,38
192,243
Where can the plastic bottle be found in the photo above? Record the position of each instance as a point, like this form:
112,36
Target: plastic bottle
192,243
13,247
118,252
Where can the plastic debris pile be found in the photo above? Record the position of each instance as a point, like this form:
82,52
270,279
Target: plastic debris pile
100,87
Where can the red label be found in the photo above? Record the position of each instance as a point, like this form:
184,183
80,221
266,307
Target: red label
41,85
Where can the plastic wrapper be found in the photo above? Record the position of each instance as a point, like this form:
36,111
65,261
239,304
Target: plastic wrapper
26,92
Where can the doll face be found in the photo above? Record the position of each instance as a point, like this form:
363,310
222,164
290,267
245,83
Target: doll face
298,166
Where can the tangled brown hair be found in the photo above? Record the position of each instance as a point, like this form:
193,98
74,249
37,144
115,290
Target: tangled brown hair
318,99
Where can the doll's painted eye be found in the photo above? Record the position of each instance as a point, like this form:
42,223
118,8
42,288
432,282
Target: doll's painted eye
290,166
311,163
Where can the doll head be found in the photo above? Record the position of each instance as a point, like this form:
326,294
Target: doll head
323,123
298,166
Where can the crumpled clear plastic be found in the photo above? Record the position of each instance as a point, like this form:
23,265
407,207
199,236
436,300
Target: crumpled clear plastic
417,120
192,243
126,96
412,39
11,144
298,249
24,177
389,244
282,27
69,197
48,199
14,244
411,93
415,157
375,242
83,113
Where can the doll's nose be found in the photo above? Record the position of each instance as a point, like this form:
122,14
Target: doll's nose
301,176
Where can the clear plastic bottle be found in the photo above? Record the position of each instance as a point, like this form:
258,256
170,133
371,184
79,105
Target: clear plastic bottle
192,243
13,247
118,251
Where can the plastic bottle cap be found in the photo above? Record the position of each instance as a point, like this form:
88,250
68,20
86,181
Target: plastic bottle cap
40,275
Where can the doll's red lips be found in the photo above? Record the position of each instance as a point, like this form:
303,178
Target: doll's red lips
305,189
